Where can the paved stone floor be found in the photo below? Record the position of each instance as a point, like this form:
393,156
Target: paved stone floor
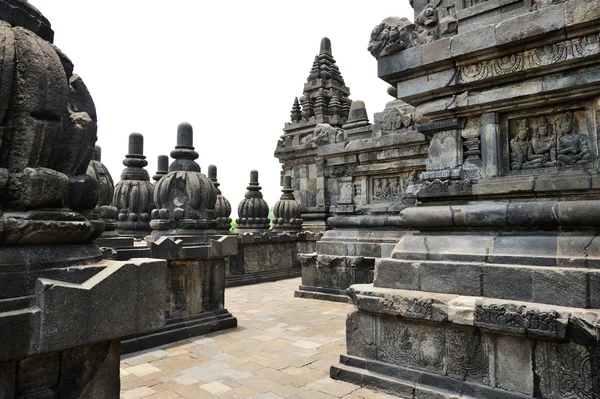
282,348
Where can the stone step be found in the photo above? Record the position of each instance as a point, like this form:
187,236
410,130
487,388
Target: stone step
565,286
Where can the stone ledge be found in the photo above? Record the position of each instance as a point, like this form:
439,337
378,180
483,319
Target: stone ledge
534,320
409,383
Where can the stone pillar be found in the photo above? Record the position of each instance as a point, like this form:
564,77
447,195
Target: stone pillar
62,308
134,193
184,234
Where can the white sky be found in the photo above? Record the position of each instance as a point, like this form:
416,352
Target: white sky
230,68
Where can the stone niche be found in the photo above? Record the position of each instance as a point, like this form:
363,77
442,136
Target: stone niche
491,291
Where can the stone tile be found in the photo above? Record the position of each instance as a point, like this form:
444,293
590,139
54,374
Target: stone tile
215,388
277,351
333,387
142,369
184,380
307,344
164,395
137,393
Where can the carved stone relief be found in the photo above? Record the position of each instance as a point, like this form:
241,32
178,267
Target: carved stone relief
395,34
396,117
580,47
567,371
471,139
466,355
388,188
547,143
409,344
443,152
324,133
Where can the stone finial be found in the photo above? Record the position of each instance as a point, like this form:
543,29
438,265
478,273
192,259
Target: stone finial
134,194
162,168
286,211
296,113
222,206
357,116
253,211
185,198
106,188
325,46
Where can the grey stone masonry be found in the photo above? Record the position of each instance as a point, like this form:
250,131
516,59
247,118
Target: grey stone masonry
185,234
490,291
63,308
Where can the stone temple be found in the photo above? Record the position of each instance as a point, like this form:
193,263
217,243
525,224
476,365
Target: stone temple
458,225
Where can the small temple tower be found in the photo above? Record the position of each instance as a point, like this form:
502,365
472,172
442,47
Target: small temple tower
316,119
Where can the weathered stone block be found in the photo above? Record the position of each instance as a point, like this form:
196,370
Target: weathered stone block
513,364
530,25
468,42
462,279
560,287
396,274
8,373
579,12
507,282
360,335
38,374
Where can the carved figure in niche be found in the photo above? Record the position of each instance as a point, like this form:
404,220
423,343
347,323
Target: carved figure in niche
427,22
573,147
521,154
543,143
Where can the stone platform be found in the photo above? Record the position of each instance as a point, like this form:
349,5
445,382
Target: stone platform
283,348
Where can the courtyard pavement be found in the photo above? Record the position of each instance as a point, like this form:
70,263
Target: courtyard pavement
282,348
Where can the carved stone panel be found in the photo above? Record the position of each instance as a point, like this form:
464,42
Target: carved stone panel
556,53
387,188
567,371
444,151
549,140
410,344
467,355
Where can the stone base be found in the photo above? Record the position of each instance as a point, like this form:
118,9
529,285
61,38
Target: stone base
324,294
180,328
411,342
85,372
114,242
261,277
407,383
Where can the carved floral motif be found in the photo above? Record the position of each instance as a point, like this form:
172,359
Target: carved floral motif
541,56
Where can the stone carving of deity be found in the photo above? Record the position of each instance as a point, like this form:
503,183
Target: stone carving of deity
543,144
522,155
573,147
